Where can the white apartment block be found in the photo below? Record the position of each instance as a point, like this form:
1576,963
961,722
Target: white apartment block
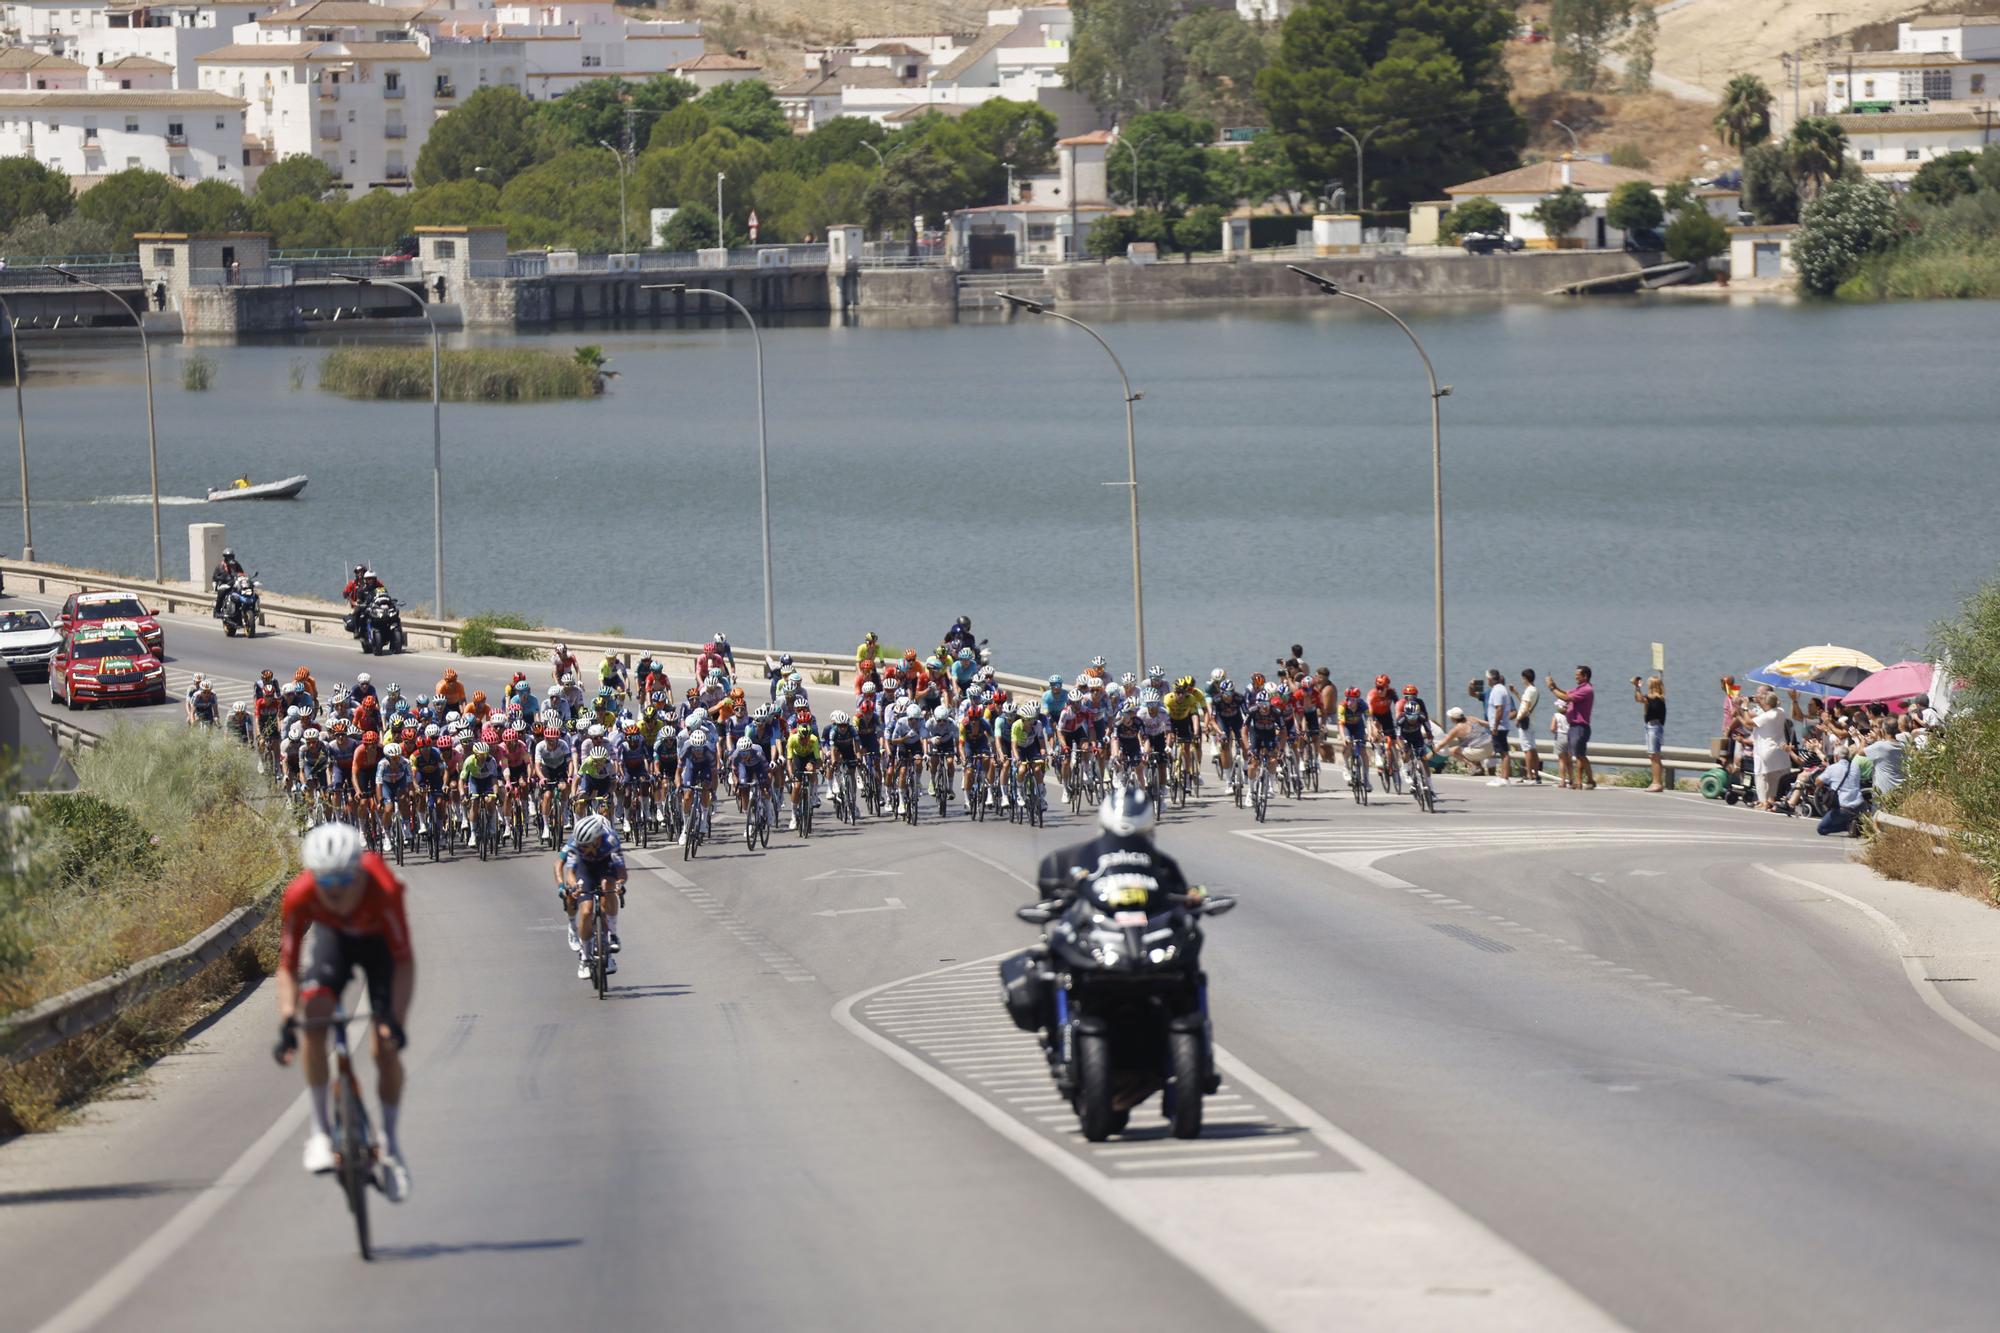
189,135
572,43
98,34
1934,94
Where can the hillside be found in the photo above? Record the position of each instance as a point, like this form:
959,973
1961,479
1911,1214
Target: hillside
777,31
1706,41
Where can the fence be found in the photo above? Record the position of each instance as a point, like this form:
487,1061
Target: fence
36,273
288,273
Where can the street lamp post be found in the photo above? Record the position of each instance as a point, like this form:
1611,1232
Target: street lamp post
1331,288
1131,482
152,435
1134,150
621,193
1010,180
21,423
1575,148
763,448
721,232
437,432
1360,172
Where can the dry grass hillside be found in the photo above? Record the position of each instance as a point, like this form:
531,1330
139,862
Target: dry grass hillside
1707,41
777,31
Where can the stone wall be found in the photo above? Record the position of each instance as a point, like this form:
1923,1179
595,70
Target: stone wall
904,289
1524,274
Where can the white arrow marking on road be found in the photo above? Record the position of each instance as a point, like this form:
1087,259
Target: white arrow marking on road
1647,874
888,905
852,873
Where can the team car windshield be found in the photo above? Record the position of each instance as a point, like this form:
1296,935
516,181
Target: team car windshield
17,622
91,650
111,608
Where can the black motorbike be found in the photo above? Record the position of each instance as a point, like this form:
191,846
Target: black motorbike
381,626
1116,992
240,607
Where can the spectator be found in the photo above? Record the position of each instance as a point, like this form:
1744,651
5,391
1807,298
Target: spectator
1500,714
1577,704
1843,778
1654,701
1885,752
1524,727
1468,740
1768,751
1559,733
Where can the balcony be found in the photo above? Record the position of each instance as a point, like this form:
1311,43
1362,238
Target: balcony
395,131
445,92
90,142
177,141
330,133
329,92
393,92
399,174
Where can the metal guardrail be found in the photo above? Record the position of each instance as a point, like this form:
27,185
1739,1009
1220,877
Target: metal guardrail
30,273
59,1018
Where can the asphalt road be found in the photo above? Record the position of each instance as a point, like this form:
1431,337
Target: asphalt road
1544,1060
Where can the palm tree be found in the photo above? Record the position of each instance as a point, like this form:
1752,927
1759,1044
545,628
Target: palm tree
1818,150
1745,117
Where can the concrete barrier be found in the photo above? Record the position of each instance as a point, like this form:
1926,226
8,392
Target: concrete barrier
1385,276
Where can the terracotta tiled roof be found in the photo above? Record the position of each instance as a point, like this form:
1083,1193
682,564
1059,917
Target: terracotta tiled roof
21,57
340,11
175,99
987,40
136,62
1547,178
1915,120
715,60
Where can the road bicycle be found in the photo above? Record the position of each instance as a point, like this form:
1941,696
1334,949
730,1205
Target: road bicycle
354,1152
757,819
600,939
1420,779
697,824
1357,770
1260,792
940,773
802,804
1031,796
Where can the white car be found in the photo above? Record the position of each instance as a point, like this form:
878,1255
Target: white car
27,642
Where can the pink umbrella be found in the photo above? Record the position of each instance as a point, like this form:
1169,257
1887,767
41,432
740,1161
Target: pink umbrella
1892,684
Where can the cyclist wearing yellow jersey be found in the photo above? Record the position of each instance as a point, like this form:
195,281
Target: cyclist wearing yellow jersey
1185,704
802,751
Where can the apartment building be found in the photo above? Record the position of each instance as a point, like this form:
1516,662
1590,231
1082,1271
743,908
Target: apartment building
1934,94
184,133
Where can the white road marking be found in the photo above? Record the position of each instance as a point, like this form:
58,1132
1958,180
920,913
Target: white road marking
1263,1239
98,1300
855,873
1913,968
888,905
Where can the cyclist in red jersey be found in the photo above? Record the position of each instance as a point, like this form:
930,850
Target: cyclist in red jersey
352,904
1381,703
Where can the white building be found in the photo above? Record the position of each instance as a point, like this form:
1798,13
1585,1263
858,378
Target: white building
1892,147
712,69
99,34
187,134
1266,11
129,73
1934,94
1760,258
1519,191
1049,219
572,43
25,70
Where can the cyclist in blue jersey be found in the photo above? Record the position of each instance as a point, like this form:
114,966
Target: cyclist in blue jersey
591,862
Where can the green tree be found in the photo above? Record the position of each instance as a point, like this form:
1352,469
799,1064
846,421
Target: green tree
1199,230
686,175
300,176
571,201
1425,79
74,235
587,114
1679,194
658,95
1172,154
1986,167
1770,191
463,203
1637,47
28,189
1745,118
1110,235
211,205
297,222
918,181
1583,32
1122,56
129,201
492,130
1817,150
1696,236
692,227
1221,55
1018,132
747,107
1477,214
679,127
1845,223
1943,179
841,140
378,218
949,139
1560,213
784,204
1634,207
839,196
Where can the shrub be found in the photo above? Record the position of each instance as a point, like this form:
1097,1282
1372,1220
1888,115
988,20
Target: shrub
1634,207
1477,214
197,372
479,374
85,833
476,638
1559,213
1630,155
1695,236
1943,179
1838,231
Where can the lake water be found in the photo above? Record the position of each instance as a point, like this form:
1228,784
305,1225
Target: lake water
1734,480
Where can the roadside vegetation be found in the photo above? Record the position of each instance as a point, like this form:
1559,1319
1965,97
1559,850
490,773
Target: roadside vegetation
1954,781
476,636
469,375
166,834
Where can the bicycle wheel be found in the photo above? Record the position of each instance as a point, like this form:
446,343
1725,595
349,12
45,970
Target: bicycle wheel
351,1133
600,950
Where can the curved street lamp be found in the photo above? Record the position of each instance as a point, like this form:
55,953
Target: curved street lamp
1131,482
152,437
763,450
21,423
437,430
1332,288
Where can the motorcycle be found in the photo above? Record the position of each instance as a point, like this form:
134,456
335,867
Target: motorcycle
240,607
1116,993
382,626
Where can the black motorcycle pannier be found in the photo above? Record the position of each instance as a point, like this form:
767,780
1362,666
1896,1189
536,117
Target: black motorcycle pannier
1026,986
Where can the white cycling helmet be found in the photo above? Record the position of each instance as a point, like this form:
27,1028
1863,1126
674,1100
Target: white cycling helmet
868,687
591,832
839,718
361,679
392,751
297,731
596,731
1128,680
1127,813
569,678
1027,708
941,714
312,733
745,743
698,716
332,852
433,731
1217,676
482,748
1097,661
239,707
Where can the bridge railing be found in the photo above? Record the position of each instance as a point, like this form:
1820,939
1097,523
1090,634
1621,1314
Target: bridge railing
122,272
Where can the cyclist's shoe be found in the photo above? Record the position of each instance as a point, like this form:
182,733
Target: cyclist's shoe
792,822
582,966
319,1154
392,1177
470,838
684,837
575,942
615,945
610,966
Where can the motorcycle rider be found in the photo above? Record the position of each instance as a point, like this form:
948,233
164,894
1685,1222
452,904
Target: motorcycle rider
223,577
361,589
1124,851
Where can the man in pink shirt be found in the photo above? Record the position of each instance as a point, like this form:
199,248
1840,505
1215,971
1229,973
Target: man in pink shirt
1577,703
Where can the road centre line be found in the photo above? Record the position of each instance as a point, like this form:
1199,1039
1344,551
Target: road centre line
1154,1164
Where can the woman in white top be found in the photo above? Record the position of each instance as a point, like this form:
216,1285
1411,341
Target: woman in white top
1767,746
